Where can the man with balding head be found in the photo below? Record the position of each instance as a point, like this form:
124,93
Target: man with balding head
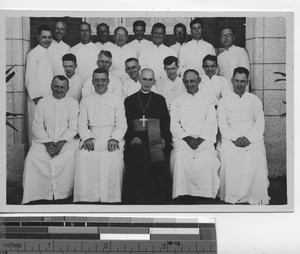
194,161
58,47
147,142
86,51
120,52
50,162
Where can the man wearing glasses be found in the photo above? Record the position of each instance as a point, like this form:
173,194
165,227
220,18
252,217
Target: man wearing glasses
120,53
233,56
244,171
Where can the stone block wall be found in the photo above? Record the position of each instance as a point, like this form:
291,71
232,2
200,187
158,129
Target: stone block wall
17,45
266,45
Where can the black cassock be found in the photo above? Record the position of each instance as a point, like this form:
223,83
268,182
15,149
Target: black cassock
146,182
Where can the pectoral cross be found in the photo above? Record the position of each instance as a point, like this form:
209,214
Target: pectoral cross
143,120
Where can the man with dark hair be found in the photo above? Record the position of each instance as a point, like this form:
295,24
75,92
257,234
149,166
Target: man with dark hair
39,73
133,85
194,161
153,56
115,84
146,156
120,52
140,43
212,84
58,47
85,51
103,36
171,86
244,171
233,56
75,82
192,53
180,35
50,162
99,162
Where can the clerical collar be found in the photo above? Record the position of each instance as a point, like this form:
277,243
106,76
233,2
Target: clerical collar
145,92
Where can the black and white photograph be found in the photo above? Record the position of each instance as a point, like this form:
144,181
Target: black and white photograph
147,112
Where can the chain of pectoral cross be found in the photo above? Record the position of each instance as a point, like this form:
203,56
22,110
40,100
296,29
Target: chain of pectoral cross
143,120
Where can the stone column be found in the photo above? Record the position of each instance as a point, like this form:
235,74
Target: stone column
266,45
17,46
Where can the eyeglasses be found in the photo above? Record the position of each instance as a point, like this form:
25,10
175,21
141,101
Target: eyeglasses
226,36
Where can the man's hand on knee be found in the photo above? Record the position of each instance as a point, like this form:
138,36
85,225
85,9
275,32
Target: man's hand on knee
239,142
112,145
89,144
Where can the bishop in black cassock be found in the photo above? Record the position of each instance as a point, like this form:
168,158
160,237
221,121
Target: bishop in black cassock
147,177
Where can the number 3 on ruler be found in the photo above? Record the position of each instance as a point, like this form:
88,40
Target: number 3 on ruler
164,246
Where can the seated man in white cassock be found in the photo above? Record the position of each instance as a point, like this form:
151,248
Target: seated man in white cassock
99,162
50,162
194,161
244,172
115,84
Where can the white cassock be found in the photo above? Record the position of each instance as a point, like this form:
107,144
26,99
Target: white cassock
75,87
45,177
130,87
176,47
170,89
114,86
104,46
57,51
139,46
244,172
153,58
86,56
38,77
195,172
192,53
231,58
119,56
99,173
216,87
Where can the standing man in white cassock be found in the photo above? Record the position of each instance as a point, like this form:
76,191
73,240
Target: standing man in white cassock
86,51
192,53
50,162
103,36
194,161
214,85
232,57
133,85
171,86
180,35
153,56
102,126
120,52
139,43
39,74
58,47
244,171
115,84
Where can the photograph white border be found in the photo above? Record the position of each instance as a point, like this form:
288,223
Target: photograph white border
164,208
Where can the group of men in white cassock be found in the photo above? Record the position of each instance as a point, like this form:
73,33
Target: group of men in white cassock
176,98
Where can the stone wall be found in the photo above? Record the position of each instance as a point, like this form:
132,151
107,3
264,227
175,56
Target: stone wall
266,45
17,46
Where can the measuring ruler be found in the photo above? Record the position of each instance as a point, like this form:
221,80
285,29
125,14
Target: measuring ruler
76,235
